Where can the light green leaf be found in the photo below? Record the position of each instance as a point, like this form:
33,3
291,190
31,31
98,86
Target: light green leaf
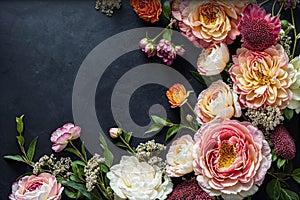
71,150
228,66
83,151
153,128
296,175
161,121
109,157
74,178
288,113
273,189
120,144
127,136
20,124
21,141
274,156
104,168
168,34
15,158
167,9
281,162
70,194
173,130
31,148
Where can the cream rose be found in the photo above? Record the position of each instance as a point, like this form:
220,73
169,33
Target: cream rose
180,157
217,100
294,103
138,180
41,187
213,60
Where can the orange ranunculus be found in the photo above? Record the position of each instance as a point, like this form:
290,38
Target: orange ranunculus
177,95
148,10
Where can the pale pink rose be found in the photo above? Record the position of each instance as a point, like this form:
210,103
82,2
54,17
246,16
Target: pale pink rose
262,78
61,137
208,22
180,157
41,187
231,158
213,60
218,100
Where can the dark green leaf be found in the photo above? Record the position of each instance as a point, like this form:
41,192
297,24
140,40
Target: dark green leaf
16,158
70,194
71,150
288,113
281,162
74,178
168,34
296,175
80,187
31,148
20,124
273,189
109,157
79,162
161,121
21,140
288,167
83,151
228,66
153,128
173,130
104,168
167,9
288,195
274,156
120,144
198,77
127,136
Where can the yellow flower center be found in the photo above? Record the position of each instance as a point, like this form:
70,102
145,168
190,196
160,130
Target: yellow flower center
227,156
263,79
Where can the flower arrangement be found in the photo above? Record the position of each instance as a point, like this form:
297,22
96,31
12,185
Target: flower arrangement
237,135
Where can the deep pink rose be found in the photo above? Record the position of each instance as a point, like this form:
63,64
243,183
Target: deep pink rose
62,135
231,158
41,187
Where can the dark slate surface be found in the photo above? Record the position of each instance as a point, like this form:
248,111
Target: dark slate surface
42,45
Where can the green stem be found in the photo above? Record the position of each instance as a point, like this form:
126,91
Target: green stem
278,13
295,33
127,145
264,2
189,105
273,7
169,26
79,153
187,127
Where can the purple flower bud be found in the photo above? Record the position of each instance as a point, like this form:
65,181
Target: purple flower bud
148,47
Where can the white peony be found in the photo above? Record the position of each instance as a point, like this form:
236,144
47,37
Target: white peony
138,180
180,157
294,103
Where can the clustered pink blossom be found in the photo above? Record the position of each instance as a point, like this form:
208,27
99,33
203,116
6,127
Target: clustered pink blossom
284,144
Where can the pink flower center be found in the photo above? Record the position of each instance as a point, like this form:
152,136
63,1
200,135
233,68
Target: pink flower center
34,186
227,156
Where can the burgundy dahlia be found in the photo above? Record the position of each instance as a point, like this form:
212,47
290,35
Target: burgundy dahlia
284,145
258,29
189,190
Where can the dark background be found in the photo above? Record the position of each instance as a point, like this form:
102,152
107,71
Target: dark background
42,45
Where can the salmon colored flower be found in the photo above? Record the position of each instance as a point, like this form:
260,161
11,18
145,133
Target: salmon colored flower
148,10
208,22
177,95
262,78
231,158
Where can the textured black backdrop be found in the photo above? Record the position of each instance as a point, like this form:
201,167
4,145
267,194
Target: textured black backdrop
42,45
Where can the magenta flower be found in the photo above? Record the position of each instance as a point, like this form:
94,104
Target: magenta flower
148,47
189,190
284,144
61,137
167,51
258,29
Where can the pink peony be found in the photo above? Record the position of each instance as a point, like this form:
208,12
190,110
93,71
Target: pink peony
258,29
231,158
60,138
41,187
262,78
208,22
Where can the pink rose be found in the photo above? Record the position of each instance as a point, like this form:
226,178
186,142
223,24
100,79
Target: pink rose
63,135
231,158
41,187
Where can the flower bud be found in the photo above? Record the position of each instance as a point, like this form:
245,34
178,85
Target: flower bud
189,118
284,24
115,132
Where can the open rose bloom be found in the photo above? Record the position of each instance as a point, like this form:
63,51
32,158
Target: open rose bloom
231,158
177,95
41,187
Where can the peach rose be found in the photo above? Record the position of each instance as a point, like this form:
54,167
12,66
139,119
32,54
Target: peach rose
148,10
217,100
231,158
180,157
41,187
262,77
213,60
177,95
207,22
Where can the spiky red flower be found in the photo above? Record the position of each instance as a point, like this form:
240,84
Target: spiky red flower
284,145
258,29
189,190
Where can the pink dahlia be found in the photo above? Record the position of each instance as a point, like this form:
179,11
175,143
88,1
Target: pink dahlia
284,144
189,190
231,158
258,29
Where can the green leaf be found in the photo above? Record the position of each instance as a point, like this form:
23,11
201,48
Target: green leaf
288,167
168,34
198,77
288,113
167,9
298,36
281,162
70,194
274,156
15,158
83,151
21,141
228,66
127,136
153,128
288,195
20,124
109,157
296,175
161,121
273,189
74,178
80,187
31,148
71,150
104,168
120,144
173,130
